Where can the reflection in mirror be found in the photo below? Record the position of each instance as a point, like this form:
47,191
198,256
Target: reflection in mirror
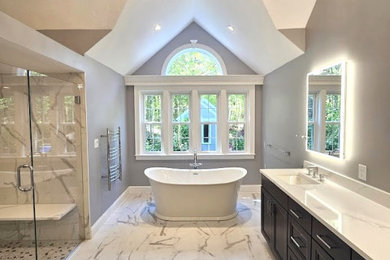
325,110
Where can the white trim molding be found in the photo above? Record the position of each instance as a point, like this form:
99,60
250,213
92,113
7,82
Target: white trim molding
161,81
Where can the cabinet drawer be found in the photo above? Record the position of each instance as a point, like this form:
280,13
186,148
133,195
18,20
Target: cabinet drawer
298,239
333,245
276,193
317,253
300,215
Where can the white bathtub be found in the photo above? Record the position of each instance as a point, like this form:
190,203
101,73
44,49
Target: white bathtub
187,195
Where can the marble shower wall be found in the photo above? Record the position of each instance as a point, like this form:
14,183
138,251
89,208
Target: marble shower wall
57,145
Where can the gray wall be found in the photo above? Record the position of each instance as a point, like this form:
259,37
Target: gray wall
358,31
194,32
136,168
106,106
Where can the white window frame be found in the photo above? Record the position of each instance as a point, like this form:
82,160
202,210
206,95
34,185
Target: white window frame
195,90
142,124
228,123
171,123
217,123
320,122
202,48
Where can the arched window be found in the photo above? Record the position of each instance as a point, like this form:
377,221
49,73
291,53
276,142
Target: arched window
193,60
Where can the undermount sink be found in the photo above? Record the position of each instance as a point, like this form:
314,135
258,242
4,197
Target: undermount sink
297,179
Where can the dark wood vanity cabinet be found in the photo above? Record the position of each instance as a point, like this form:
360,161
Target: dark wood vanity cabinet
293,233
317,253
274,225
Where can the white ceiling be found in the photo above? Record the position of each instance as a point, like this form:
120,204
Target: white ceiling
287,14
256,40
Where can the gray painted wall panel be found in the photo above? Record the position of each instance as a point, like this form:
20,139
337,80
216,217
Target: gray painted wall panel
106,107
358,31
194,32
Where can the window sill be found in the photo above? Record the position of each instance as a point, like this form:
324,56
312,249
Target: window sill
173,157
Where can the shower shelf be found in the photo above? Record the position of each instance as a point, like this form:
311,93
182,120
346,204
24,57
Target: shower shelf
24,212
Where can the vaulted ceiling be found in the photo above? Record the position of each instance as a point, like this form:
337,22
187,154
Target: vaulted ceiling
121,35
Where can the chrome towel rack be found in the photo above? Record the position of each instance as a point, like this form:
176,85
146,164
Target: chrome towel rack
288,153
114,160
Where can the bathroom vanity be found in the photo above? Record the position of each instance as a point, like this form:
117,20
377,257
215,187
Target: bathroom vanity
302,218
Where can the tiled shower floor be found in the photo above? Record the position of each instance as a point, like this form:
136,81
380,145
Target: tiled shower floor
132,232
47,250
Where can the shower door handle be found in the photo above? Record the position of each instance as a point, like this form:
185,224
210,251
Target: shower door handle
19,179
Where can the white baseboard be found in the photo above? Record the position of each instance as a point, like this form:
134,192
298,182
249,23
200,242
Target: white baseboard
103,218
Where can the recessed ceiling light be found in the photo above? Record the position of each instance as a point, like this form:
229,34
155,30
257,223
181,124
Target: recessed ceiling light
157,27
231,28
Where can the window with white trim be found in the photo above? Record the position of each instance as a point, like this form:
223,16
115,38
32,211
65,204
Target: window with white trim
152,123
193,60
172,121
208,122
181,124
236,122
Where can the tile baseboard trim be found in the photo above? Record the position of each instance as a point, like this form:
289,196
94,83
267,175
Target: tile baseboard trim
104,217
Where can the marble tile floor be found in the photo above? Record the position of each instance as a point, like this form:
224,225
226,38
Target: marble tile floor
132,232
47,250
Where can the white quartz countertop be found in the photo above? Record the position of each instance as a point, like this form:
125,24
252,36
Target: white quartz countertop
361,223
24,212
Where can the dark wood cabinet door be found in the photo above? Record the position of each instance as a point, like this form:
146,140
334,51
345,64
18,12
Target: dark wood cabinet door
267,222
281,229
356,256
292,256
317,253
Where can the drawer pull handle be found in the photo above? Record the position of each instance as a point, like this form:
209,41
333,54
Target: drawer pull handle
295,214
296,242
324,242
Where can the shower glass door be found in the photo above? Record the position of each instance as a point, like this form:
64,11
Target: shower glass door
17,216
41,201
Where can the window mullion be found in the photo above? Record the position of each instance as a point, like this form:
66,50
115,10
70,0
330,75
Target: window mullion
166,125
195,121
250,121
321,120
223,123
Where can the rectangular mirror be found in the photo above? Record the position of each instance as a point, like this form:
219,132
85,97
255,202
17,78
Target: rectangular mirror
325,106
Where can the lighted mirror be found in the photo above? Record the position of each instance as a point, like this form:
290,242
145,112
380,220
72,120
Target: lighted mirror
325,110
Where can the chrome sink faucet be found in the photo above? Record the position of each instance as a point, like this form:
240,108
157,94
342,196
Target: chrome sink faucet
195,164
312,170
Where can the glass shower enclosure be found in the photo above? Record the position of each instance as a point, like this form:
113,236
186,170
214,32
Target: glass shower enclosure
41,182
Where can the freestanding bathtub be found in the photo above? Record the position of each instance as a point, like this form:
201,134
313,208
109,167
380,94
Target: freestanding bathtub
188,195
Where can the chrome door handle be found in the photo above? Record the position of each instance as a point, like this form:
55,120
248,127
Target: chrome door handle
295,214
19,181
325,243
296,242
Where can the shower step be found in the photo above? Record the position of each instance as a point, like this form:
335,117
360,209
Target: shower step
24,212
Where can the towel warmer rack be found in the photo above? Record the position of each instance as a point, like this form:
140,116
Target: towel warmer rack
114,160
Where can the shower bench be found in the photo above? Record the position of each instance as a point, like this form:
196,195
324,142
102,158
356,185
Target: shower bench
24,212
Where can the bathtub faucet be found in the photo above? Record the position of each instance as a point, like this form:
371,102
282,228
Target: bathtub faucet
195,164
